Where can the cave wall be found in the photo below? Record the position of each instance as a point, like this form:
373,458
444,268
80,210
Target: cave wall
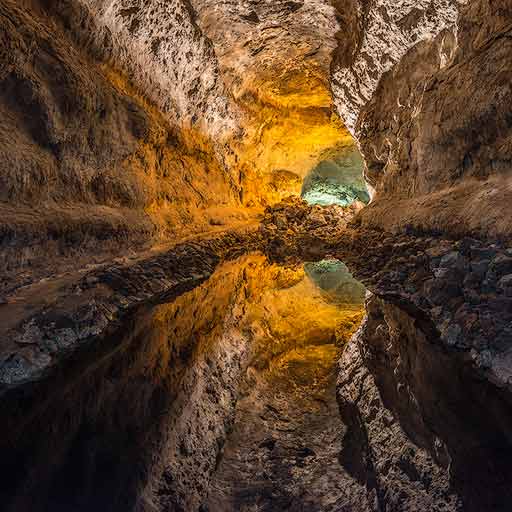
90,167
398,473
135,421
418,410
137,120
275,60
162,49
130,124
380,32
435,132
433,117
426,382
108,145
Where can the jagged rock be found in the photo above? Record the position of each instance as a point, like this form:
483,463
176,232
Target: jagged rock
407,402
397,473
430,130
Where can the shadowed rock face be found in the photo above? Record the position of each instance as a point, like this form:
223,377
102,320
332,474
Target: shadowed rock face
90,167
284,450
126,423
435,135
137,419
398,445
425,443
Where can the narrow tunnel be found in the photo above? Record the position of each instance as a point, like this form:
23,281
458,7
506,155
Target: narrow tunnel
256,256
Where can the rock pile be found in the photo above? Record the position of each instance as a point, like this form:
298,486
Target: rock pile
294,228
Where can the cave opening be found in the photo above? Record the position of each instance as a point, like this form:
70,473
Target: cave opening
337,180
335,281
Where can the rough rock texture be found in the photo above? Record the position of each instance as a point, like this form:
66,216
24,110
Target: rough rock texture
45,323
382,31
432,359
275,60
283,453
128,123
125,123
395,471
435,129
445,305
461,286
433,355
260,91
293,228
162,49
136,419
89,167
418,409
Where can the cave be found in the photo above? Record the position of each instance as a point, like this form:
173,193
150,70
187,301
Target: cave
255,256
337,180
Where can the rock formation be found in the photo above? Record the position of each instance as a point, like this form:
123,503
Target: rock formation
435,131
176,331
435,136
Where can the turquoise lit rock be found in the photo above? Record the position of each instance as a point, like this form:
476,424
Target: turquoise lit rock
336,282
337,181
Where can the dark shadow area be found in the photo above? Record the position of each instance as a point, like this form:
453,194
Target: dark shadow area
438,400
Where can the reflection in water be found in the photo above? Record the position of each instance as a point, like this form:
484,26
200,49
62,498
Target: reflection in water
337,181
140,420
283,450
335,280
